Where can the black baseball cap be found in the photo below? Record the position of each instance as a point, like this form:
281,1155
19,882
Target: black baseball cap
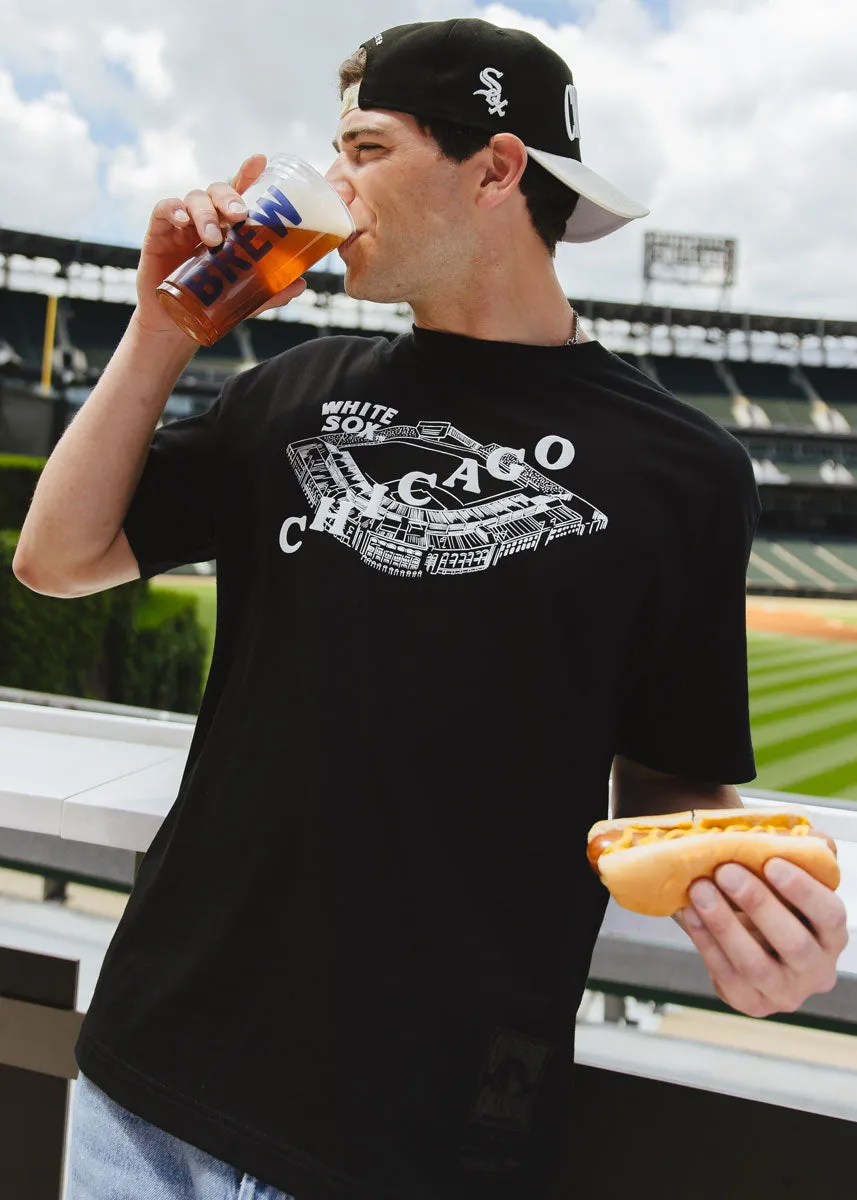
473,73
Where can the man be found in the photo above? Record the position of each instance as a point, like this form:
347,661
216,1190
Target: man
460,575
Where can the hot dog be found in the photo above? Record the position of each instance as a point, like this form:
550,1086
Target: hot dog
648,863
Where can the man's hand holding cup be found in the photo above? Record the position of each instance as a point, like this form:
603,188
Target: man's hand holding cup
221,255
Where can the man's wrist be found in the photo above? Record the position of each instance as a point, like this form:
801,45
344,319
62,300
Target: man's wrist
171,340
171,349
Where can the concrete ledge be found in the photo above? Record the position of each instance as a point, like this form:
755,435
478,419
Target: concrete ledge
82,860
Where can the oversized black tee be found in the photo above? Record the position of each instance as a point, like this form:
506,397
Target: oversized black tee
455,578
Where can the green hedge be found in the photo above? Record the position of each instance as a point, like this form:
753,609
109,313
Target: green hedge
126,644
159,659
18,477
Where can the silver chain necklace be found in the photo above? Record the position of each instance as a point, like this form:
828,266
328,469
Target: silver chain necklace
575,337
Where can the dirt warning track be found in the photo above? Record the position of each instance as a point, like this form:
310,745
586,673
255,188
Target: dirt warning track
836,621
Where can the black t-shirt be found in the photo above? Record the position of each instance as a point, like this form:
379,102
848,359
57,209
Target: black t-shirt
455,578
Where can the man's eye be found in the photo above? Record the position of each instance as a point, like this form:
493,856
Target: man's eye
366,146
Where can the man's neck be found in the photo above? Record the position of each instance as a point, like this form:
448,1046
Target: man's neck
503,303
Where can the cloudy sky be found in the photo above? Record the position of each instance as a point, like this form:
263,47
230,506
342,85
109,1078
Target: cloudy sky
728,117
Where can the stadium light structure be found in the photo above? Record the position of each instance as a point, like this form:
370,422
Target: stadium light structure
690,260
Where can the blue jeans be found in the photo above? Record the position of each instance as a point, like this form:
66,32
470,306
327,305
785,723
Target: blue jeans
114,1155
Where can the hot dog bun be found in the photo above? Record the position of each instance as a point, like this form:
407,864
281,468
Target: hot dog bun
654,877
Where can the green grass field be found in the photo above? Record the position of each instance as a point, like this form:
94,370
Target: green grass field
803,710
803,703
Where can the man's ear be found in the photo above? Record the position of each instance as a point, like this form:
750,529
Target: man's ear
503,162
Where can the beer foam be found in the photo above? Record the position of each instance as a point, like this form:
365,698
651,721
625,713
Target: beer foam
307,195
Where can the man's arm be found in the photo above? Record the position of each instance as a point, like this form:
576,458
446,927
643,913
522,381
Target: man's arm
72,542
639,791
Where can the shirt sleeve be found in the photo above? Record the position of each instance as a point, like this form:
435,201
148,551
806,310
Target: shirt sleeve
685,710
171,519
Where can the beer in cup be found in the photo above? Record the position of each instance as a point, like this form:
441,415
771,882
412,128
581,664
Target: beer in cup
294,218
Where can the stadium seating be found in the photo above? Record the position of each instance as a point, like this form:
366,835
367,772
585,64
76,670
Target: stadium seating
761,574
696,381
22,322
770,385
805,472
805,460
767,471
273,336
803,564
747,414
26,419
837,387
95,327
844,552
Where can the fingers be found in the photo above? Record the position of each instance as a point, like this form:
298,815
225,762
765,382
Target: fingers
796,945
739,948
812,901
208,213
290,293
732,988
248,172
806,928
172,210
764,956
211,211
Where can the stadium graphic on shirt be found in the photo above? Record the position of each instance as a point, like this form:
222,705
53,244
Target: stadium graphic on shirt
425,527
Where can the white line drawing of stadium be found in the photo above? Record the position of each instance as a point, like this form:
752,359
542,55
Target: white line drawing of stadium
450,532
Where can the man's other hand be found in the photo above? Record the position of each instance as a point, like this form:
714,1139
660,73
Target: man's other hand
768,946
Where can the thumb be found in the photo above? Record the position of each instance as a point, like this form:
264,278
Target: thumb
248,172
290,293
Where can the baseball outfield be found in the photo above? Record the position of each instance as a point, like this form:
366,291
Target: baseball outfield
803,688
803,694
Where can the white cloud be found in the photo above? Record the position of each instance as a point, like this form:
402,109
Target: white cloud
159,165
51,175
738,119
142,54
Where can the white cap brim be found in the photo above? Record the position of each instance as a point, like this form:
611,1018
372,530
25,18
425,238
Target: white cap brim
601,209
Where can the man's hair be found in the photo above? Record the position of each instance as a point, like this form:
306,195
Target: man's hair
549,202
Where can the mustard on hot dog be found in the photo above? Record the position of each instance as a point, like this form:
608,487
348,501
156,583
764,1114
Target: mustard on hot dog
648,863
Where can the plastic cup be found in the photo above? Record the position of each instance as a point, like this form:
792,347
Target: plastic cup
294,218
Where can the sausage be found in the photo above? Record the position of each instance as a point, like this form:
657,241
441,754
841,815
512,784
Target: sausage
599,844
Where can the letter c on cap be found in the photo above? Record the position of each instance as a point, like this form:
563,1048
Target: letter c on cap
572,121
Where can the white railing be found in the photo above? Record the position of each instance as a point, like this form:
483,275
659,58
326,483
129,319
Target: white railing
109,779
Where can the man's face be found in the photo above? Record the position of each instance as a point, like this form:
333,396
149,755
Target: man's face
408,205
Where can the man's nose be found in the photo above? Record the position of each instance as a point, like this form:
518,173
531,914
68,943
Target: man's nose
337,177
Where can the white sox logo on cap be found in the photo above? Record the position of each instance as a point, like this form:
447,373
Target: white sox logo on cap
492,91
